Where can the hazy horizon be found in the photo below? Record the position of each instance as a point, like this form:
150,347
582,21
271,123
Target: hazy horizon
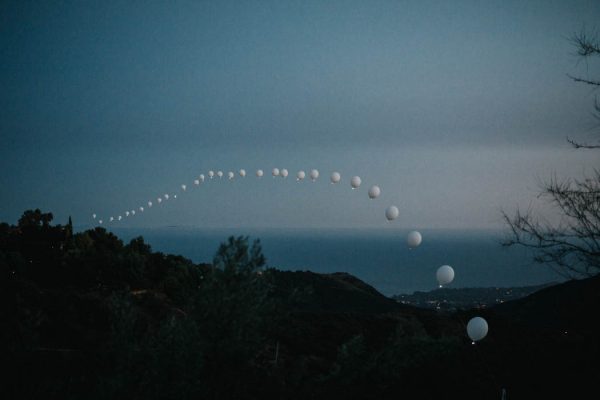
380,258
457,110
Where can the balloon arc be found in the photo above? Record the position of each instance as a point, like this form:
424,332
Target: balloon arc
477,327
391,213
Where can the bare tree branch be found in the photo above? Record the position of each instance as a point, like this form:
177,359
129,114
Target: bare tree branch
586,44
583,80
582,145
572,248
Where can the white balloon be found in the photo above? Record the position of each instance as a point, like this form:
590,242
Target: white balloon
141,209
166,196
220,174
132,212
230,175
242,173
174,196
355,182
149,204
414,239
100,222
477,328
444,275
275,172
300,175
159,200
120,218
201,177
211,174
392,213
314,175
111,219
197,182
259,173
284,173
94,216
374,192
127,213
335,177
184,187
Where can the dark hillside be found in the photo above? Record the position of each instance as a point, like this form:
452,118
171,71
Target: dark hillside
546,344
570,307
88,316
337,292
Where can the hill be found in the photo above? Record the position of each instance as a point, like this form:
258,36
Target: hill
451,299
568,307
551,336
87,316
337,292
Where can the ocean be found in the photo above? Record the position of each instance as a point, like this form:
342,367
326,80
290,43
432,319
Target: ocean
378,257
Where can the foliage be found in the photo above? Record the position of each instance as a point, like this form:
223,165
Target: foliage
237,257
127,321
95,318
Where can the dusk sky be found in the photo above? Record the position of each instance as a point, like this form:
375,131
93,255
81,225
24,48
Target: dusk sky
455,109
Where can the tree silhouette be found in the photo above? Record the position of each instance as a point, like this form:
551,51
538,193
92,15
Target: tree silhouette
35,219
571,246
238,256
587,47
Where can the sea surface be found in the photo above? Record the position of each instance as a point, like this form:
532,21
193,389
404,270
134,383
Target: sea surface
378,257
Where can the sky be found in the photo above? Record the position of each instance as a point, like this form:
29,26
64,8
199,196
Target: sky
457,110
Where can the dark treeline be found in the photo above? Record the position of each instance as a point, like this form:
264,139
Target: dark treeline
86,316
